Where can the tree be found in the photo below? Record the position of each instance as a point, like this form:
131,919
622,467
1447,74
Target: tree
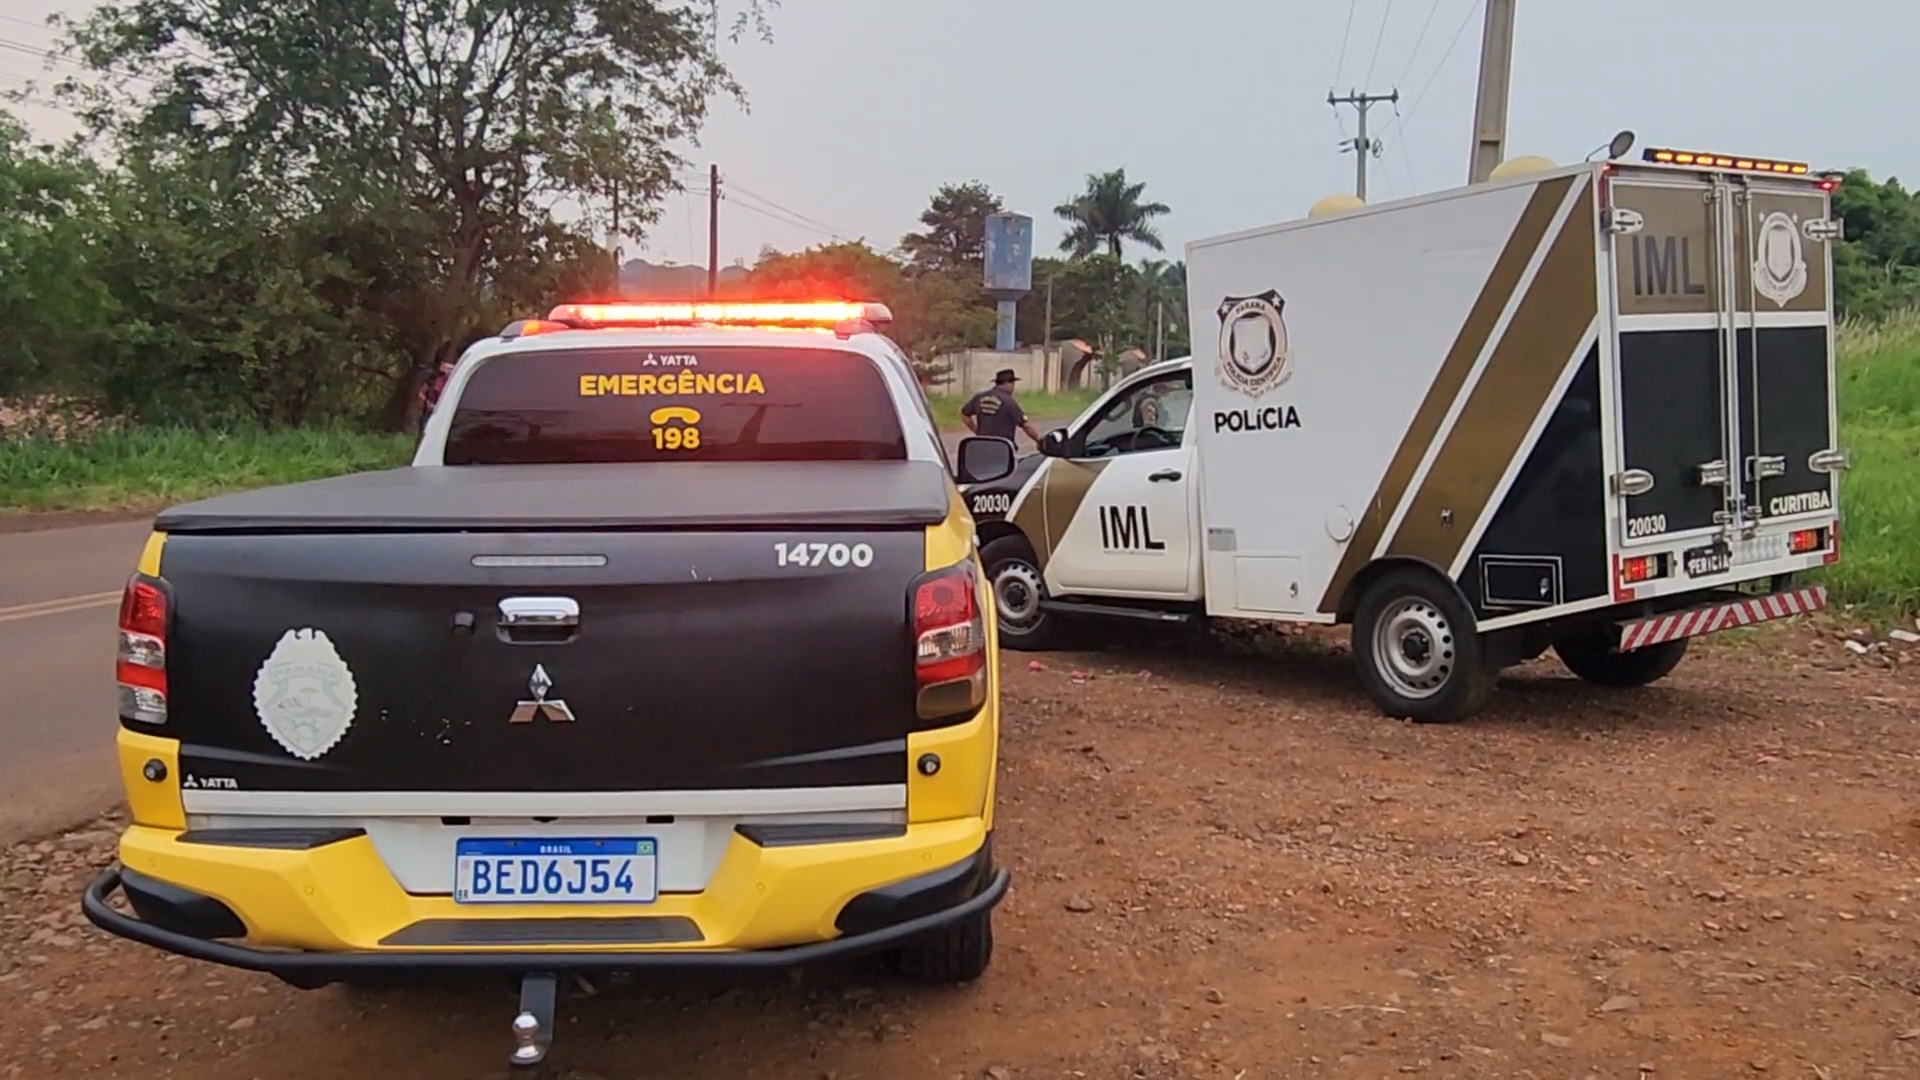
956,229
1163,305
933,313
1877,264
460,124
1095,299
1107,213
50,302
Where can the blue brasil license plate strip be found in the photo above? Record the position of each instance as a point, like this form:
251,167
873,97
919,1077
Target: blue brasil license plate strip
622,870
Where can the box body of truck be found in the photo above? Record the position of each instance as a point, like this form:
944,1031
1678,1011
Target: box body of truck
1599,394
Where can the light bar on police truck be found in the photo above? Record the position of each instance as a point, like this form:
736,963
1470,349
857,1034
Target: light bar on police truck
818,313
1724,161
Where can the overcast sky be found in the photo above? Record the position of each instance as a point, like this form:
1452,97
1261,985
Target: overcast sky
861,108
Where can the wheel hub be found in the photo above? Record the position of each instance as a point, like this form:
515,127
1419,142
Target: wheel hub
1413,648
1017,590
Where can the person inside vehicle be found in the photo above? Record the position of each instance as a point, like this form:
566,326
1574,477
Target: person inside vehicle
996,413
430,392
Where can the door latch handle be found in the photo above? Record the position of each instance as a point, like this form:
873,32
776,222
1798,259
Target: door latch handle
1766,466
538,620
1165,474
539,611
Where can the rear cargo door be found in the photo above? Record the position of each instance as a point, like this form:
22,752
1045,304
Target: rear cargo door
1784,348
1674,325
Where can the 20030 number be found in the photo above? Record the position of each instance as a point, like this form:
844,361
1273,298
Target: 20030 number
1651,525
993,502
818,554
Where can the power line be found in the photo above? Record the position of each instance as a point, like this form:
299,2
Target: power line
770,216
49,55
1432,10
1341,65
1421,97
785,210
1378,39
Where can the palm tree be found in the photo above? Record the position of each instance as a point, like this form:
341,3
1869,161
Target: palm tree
1163,295
1108,212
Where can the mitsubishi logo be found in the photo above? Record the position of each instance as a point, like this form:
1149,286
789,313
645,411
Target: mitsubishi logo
555,711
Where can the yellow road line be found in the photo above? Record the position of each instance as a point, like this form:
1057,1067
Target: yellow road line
58,607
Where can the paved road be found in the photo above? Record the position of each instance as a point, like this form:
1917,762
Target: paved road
59,594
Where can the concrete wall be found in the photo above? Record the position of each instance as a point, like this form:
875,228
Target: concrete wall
1048,370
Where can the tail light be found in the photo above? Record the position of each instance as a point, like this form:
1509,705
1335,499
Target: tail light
1642,568
141,666
1807,541
950,643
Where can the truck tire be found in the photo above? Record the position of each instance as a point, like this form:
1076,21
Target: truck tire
954,954
1014,574
1416,651
1589,655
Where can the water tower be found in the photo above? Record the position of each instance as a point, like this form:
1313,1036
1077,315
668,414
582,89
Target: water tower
1009,269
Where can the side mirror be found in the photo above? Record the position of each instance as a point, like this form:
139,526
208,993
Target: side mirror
984,459
1054,443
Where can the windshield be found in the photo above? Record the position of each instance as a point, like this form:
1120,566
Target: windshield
714,403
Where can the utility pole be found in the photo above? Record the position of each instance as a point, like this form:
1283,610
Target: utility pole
713,231
1159,330
616,236
1490,103
1360,144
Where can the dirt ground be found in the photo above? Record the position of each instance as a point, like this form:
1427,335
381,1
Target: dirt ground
1227,866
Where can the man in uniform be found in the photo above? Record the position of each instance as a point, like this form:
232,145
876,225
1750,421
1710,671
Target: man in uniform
995,412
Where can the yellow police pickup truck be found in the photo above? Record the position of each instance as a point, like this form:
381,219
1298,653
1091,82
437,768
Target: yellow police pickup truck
670,649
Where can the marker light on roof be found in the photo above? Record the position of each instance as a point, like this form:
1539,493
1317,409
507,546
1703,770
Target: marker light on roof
825,313
1722,161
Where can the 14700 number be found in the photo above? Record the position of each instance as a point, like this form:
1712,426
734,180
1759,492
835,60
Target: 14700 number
813,553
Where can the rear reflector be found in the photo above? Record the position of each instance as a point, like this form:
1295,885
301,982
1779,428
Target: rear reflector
1640,633
140,666
950,643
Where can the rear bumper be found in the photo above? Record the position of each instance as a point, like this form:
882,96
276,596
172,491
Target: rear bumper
253,920
1713,617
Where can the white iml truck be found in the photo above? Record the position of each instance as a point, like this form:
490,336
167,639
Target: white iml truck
1589,408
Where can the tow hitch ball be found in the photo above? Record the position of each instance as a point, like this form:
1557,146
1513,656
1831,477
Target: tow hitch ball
533,1027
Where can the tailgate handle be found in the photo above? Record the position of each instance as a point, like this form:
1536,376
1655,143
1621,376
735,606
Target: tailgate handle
535,611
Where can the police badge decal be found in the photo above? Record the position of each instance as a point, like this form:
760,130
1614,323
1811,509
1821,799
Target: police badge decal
1254,357
304,694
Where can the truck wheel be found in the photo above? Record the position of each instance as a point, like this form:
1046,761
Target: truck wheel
1017,591
1416,652
1589,655
954,954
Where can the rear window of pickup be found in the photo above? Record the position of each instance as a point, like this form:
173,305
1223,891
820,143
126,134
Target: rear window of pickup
725,403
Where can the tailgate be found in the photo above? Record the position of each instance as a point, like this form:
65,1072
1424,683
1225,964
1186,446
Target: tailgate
594,661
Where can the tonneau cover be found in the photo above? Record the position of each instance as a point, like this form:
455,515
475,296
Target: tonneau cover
679,495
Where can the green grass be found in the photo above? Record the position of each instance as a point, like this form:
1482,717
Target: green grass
1064,405
1879,567
151,468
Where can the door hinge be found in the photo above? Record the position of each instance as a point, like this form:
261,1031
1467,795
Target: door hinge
1712,474
1620,221
1766,466
1830,461
1822,229
1632,482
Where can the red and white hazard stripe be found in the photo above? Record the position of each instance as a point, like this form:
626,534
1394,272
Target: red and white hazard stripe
1694,622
